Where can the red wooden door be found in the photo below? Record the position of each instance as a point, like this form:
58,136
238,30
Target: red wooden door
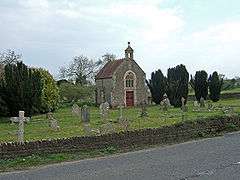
129,98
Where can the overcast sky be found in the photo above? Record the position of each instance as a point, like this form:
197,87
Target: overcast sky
202,34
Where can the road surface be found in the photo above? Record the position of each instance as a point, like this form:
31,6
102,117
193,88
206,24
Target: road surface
210,159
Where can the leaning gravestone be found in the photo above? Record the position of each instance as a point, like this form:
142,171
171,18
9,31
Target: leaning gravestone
85,114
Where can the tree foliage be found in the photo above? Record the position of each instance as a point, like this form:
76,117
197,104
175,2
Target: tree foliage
81,69
70,92
157,85
177,81
21,88
200,84
215,85
49,93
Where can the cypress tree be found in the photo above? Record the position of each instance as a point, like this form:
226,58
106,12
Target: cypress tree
157,85
215,85
200,84
177,81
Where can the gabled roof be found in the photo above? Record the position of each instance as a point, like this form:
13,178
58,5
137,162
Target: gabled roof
109,68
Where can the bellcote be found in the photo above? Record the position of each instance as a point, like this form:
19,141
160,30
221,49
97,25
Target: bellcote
129,52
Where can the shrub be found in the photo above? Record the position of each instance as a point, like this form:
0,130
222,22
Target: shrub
49,94
70,92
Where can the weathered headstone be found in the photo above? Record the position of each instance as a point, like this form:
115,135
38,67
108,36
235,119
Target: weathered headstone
76,110
165,103
85,114
53,122
143,109
195,104
183,107
202,102
104,110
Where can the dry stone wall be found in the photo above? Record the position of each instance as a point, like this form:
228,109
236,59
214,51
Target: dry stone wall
164,135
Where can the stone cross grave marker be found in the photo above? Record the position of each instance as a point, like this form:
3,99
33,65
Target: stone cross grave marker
53,122
104,111
85,114
21,119
21,127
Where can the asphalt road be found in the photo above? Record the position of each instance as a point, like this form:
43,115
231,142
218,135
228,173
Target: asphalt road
213,159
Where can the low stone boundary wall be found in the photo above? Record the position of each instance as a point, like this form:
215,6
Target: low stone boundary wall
164,135
222,96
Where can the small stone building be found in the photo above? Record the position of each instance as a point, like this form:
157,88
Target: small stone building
121,82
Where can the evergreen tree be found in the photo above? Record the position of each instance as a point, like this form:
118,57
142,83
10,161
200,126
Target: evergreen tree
215,85
200,84
177,81
157,85
21,88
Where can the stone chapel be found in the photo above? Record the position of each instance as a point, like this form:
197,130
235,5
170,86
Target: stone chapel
121,82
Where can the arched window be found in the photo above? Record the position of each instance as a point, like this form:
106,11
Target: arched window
129,80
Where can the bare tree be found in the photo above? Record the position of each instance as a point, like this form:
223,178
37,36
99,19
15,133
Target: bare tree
9,57
81,69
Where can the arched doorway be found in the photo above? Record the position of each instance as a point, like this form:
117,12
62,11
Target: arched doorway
130,81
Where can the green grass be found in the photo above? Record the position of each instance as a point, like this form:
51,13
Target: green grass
235,90
38,128
35,160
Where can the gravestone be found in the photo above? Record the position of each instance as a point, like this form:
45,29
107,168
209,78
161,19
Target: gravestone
202,102
85,114
183,107
104,110
21,127
53,122
143,109
165,103
195,104
16,119
76,110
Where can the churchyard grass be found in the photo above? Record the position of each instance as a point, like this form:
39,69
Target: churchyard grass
70,125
